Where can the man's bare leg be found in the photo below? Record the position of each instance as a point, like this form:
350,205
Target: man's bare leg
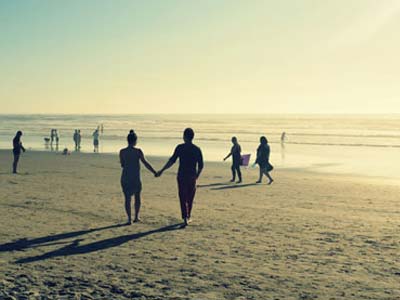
137,207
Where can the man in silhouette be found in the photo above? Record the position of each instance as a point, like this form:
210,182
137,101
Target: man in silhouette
190,167
236,160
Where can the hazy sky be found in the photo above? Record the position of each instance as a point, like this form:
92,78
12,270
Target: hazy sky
208,56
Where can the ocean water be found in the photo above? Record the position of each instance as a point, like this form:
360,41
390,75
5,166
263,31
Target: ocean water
364,145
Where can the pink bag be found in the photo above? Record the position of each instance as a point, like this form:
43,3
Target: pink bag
245,160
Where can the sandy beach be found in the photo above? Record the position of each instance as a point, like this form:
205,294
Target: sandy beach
307,236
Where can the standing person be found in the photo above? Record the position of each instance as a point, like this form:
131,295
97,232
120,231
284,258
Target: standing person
17,147
263,152
130,158
79,139
236,160
75,138
96,140
57,138
52,136
283,140
190,167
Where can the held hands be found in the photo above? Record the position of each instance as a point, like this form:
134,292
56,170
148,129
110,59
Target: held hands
158,174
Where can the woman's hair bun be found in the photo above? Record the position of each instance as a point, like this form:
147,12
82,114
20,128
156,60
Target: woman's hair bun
132,137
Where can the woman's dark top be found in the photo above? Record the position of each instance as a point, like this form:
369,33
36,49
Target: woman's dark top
130,163
17,146
263,152
190,160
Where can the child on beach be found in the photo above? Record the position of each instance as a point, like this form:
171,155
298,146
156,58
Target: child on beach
130,158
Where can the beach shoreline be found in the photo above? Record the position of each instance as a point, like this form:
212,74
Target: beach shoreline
349,176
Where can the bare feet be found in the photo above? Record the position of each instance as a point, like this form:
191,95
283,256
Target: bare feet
186,221
189,220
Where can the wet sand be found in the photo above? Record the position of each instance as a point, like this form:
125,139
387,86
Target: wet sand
307,236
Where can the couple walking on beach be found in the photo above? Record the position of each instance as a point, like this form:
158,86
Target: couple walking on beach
190,167
262,160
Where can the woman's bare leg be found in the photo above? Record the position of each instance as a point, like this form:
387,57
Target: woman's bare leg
269,177
128,208
260,177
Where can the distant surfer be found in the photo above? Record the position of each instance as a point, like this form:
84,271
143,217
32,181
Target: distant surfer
236,160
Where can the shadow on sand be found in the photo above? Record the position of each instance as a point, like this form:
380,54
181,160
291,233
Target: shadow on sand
25,243
236,186
74,248
212,184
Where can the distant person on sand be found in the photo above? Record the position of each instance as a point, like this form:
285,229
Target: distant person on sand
96,140
283,139
130,158
263,152
75,138
57,137
79,139
17,147
236,160
52,136
190,167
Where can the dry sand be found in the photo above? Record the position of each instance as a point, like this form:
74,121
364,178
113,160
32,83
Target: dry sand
308,236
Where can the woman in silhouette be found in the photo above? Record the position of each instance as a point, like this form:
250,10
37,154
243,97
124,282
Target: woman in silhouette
17,147
130,158
263,152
